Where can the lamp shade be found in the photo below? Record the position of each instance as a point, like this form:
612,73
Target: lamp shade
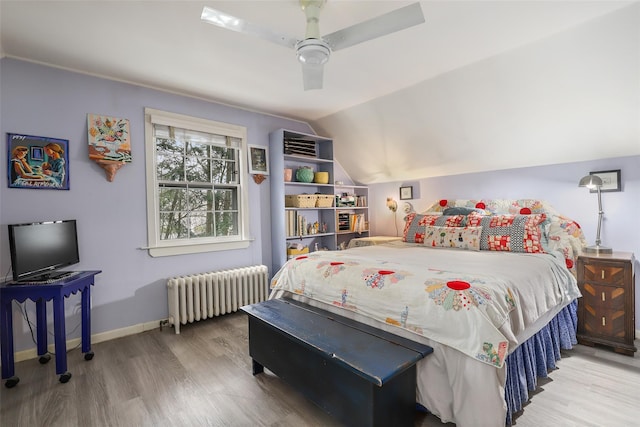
590,181
392,204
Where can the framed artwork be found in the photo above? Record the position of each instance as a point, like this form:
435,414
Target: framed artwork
109,138
610,180
258,163
38,162
406,193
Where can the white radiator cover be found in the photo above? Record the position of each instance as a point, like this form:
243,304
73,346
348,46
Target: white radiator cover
201,296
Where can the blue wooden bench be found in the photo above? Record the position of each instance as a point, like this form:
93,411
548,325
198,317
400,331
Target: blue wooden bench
358,374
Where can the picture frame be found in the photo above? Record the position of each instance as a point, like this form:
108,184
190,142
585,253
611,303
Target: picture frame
258,159
406,193
611,181
37,162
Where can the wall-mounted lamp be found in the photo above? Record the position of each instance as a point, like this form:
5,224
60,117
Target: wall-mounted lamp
591,182
392,204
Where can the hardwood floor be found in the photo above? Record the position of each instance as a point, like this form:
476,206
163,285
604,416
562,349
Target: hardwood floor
202,377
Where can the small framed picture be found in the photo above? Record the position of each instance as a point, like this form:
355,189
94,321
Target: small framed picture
258,160
406,193
610,180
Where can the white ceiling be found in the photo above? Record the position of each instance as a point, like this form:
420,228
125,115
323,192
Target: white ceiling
163,44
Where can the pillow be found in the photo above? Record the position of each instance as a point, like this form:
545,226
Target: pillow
453,237
415,224
462,210
514,233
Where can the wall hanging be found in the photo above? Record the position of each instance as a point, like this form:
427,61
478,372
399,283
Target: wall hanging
406,193
109,142
258,164
38,162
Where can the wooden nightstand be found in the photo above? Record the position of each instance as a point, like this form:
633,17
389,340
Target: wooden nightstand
606,311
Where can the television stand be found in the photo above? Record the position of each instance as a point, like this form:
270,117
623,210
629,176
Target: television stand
56,292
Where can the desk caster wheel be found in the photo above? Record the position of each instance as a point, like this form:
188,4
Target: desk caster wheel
11,382
64,378
44,359
88,355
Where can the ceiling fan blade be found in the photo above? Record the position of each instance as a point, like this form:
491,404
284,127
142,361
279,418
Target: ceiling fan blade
229,22
388,23
312,76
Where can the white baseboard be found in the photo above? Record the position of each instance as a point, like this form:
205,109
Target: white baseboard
32,353
111,335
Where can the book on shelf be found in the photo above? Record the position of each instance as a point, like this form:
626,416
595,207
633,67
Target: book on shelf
357,223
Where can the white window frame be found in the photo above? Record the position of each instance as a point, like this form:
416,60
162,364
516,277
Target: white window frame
158,247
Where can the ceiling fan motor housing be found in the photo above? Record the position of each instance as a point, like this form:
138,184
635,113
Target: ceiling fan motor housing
313,51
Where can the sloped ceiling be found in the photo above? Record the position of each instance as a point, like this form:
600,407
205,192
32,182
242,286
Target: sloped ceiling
481,85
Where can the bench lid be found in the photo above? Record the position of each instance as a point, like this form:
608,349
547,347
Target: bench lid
371,353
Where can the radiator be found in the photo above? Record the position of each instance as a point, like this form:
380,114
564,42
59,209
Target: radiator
201,296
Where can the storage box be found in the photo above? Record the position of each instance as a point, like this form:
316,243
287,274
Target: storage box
324,201
294,251
300,200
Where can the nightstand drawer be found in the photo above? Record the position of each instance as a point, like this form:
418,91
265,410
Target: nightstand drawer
606,273
603,297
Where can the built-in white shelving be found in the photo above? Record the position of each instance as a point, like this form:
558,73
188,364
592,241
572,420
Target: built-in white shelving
331,232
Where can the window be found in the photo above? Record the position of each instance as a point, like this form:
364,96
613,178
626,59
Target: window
196,201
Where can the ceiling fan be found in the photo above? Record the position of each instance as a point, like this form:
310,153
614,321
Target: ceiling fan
313,51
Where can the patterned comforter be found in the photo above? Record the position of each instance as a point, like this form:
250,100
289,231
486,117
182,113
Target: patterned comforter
477,302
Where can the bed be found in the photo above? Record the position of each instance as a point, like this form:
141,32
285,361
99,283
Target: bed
489,284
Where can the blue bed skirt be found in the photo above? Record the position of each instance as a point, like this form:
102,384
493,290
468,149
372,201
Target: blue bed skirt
537,356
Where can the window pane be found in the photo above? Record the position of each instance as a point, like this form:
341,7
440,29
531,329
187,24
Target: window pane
169,146
172,199
173,225
197,149
226,199
223,153
227,223
200,199
170,167
201,224
224,172
197,169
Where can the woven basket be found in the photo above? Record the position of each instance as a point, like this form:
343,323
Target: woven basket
300,200
325,201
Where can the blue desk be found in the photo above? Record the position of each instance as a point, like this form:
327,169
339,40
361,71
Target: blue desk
40,294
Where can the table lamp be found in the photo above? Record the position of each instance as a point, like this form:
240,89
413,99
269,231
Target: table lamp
595,182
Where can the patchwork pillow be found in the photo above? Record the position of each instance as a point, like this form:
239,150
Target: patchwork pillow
514,233
453,237
414,227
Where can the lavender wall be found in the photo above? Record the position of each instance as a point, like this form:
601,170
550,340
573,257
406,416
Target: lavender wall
112,222
558,184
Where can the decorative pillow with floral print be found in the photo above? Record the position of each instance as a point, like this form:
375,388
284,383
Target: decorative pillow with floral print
415,224
453,237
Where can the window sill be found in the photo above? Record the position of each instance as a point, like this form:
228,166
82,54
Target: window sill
161,251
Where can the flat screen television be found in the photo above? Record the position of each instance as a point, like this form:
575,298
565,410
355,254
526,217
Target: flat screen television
38,249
